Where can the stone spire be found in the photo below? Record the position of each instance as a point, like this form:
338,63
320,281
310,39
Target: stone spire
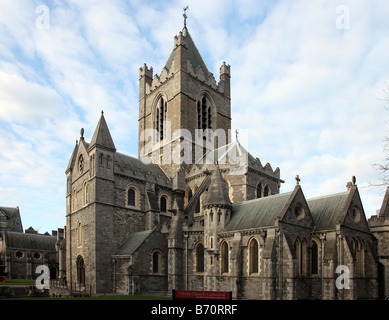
102,136
217,194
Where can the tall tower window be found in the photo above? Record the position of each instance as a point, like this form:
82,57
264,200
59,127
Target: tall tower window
259,190
160,120
204,115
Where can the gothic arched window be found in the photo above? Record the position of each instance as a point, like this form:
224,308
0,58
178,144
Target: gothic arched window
80,270
225,260
189,195
156,258
259,190
132,197
266,191
204,113
160,120
301,256
359,257
199,257
315,258
253,256
163,204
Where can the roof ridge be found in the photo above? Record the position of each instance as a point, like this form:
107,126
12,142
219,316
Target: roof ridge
329,195
272,196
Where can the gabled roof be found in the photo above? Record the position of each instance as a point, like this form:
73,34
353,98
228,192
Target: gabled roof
193,54
19,240
102,136
233,153
135,164
328,210
258,213
13,220
133,242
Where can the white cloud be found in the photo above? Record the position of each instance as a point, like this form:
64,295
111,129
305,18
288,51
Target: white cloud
24,101
307,92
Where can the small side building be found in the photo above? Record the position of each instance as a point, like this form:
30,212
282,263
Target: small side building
22,252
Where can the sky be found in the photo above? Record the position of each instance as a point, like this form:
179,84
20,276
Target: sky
308,82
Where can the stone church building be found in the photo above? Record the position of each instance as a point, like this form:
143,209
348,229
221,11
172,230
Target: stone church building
197,211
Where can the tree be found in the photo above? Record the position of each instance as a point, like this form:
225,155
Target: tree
383,167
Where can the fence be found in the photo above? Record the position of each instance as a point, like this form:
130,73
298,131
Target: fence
72,288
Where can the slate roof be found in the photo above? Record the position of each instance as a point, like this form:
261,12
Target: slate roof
124,161
328,210
13,221
133,242
10,212
193,54
19,240
257,213
232,152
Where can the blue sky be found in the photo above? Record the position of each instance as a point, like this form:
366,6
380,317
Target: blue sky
308,80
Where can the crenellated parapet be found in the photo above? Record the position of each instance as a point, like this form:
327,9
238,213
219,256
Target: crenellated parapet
256,164
157,80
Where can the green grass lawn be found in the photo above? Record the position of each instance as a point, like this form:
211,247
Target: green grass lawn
15,282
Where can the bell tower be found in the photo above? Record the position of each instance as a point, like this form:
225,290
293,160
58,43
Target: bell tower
180,108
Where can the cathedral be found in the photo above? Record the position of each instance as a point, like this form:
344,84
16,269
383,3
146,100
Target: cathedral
196,211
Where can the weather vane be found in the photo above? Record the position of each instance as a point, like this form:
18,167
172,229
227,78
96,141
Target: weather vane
185,16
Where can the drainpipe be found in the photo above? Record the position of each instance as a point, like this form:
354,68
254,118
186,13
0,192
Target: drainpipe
186,261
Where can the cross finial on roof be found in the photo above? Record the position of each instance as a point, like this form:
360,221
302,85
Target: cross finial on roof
298,179
236,134
185,16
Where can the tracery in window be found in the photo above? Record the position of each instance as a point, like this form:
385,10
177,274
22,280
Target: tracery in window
204,113
160,119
